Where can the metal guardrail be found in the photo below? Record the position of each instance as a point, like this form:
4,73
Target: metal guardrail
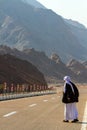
11,96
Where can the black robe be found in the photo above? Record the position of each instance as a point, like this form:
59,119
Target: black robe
69,96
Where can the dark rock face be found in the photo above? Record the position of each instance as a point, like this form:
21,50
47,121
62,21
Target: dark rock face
14,70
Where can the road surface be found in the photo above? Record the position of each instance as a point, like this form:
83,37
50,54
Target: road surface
41,113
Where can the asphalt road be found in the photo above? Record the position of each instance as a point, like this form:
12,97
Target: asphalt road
41,113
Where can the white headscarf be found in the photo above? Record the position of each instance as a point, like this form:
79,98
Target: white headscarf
67,80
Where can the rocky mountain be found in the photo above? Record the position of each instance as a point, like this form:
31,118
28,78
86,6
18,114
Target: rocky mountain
52,68
14,70
79,30
24,26
85,63
79,69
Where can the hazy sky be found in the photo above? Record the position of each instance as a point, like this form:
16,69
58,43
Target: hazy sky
70,9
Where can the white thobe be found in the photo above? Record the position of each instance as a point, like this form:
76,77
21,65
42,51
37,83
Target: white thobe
70,111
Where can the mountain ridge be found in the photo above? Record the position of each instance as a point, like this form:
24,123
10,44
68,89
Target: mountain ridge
34,3
22,26
52,67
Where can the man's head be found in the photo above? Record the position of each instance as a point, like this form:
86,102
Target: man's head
67,78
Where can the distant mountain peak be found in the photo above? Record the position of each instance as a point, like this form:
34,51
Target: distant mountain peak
55,58
76,65
34,3
75,23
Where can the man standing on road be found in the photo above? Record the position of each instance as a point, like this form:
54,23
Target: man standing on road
70,97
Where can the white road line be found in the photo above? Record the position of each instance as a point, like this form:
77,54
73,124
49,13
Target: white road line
84,124
9,114
32,105
45,100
